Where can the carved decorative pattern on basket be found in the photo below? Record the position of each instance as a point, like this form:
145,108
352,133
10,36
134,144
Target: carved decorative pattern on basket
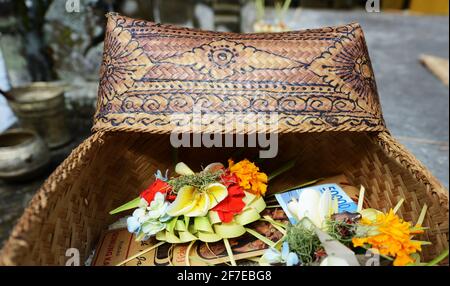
153,75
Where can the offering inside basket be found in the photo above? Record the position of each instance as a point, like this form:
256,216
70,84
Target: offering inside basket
117,246
215,216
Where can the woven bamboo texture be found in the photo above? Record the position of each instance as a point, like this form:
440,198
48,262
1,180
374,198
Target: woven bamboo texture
154,76
320,82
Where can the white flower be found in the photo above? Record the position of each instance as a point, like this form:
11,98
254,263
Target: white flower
152,227
139,214
158,207
159,175
273,256
135,221
313,205
149,219
133,225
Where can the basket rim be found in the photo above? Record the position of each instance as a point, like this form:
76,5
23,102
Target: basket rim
17,245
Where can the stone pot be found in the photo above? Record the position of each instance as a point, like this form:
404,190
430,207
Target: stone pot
40,106
23,155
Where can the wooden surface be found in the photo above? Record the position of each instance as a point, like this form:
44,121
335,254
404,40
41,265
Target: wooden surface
438,66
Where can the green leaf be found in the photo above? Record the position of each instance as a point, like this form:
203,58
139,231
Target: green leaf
180,226
438,259
261,237
416,257
202,224
171,224
286,167
130,205
140,236
418,228
279,226
422,242
399,204
422,215
273,207
286,5
186,221
229,251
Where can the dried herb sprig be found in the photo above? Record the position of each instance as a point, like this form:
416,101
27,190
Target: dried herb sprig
303,240
200,181
341,231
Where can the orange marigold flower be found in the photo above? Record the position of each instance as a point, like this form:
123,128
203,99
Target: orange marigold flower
393,238
249,176
358,242
402,260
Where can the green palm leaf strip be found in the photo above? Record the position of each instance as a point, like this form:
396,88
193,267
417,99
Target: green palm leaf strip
128,206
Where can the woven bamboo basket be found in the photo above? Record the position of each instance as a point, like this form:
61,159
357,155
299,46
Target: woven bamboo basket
319,82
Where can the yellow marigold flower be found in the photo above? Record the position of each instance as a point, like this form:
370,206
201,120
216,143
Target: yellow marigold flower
250,179
358,242
394,238
402,260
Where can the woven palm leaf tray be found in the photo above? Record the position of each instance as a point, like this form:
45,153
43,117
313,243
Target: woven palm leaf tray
320,82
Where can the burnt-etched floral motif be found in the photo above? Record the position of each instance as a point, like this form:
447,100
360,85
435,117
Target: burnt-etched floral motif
353,66
222,59
347,67
124,62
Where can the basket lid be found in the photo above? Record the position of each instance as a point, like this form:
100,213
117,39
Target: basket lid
155,78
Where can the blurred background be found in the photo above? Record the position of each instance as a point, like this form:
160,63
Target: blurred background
50,54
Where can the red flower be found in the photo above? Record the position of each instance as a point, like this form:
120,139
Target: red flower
228,179
157,186
171,197
232,204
